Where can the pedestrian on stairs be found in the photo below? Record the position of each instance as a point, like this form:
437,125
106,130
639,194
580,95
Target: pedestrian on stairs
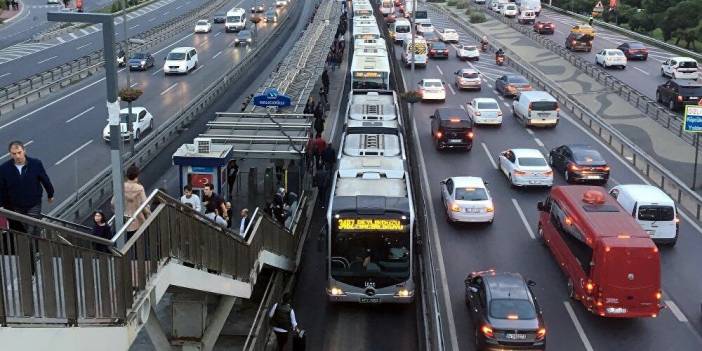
283,319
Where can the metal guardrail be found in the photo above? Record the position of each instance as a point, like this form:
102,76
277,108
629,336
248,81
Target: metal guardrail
648,106
31,89
685,197
97,191
47,282
629,33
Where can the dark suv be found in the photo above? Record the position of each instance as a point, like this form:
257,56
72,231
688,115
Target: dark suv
504,311
579,42
451,127
677,93
579,163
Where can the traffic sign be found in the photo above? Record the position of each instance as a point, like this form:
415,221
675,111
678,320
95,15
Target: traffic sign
599,5
692,121
271,97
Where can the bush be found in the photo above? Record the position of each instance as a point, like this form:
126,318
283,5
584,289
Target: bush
468,11
462,5
477,18
437,1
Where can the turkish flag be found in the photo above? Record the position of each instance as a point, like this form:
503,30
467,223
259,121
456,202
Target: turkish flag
198,181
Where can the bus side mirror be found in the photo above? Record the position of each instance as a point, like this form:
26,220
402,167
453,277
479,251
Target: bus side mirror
541,206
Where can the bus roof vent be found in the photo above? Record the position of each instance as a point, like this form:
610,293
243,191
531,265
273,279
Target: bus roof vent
594,197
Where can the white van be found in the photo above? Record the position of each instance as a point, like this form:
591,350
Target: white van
420,52
236,20
180,60
400,30
652,208
680,68
536,108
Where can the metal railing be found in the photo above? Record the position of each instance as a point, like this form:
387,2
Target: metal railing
77,281
97,190
685,197
33,88
645,104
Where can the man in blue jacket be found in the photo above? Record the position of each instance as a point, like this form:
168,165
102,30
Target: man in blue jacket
21,182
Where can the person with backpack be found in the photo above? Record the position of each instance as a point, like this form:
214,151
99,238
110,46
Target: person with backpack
283,319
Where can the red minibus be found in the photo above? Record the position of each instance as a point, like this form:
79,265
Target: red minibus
612,265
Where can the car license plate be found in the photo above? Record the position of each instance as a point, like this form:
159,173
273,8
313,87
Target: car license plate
472,210
516,336
651,232
455,140
593,177
694,97
543,114
369,300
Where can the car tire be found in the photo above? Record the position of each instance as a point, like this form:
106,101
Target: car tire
658,97
151,124
137,135
662,73
478,342
550,160
671,104
566,176
540,233
571,289
511,182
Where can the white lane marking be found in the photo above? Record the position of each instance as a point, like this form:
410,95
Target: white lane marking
168,89
134,26
463,107
489,156
488,84
80,114
74,152
439,68
175,42
49,59
523,217
451,88
166,13
61,40
73,35
156,71
642,71
178,8
82,46
578,327
153,19
530,131
25,146
84,31
133,85
5,75
217,54
676,311
539,142
506,104
217,34
49,104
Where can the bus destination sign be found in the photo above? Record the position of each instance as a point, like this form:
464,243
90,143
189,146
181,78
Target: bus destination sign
373,224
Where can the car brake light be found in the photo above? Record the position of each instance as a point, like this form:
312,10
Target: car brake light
548,173
540,26
487,331
590,286
489,209
572,42
605,168
680,98
470,135
573,167
439,135
455,208
432,51
541,334
477,113
520,173
658,295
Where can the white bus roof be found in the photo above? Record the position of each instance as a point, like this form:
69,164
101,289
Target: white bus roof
372,144
370,64
371,176
359,30
371,51
378,43
372,105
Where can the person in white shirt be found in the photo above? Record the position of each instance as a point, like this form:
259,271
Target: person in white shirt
190,198
244,222
211,213
283,318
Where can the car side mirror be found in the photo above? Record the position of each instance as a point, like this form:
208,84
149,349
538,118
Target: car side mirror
531,282
473,289
432,116
443,182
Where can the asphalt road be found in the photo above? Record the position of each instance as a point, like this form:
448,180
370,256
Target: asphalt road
507,245
66,132
27,59
644,76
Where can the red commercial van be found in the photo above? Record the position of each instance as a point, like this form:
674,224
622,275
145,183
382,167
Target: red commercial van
612,265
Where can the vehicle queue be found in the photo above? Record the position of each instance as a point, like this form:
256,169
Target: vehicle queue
602,240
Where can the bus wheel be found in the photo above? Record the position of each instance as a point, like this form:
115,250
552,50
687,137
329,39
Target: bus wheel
571,289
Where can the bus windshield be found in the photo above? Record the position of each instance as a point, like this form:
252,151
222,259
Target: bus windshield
421,14
382,255
233,19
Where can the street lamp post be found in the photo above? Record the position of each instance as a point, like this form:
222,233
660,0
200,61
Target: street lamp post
108,39
130,127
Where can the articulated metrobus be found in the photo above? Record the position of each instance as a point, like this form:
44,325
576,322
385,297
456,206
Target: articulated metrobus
362,8
370,71
363,31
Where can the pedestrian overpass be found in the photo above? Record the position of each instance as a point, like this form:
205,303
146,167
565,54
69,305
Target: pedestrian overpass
68,290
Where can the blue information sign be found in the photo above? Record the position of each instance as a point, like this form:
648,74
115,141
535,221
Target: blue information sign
271,97
693,119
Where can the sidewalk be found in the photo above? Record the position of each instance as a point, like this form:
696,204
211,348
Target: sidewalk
8,15
660,143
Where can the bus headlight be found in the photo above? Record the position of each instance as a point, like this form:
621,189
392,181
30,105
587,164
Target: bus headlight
336,291
402,293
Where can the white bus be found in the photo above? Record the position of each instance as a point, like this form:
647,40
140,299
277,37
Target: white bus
370,69
362,9
387,7
366,32
360,44
236,20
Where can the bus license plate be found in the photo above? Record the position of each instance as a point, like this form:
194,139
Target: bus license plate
370,300
516,336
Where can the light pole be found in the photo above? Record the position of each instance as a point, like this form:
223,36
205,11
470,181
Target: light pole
108,39
129,82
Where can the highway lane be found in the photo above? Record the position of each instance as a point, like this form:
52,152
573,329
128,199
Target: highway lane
644,76
507,244
53,53
63,125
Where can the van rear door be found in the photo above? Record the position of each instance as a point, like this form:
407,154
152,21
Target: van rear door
657,220
543,112
627,274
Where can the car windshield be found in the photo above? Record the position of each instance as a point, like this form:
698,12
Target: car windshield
471,194
438,45
656,213
531,161
544,105
691,91
636,46
469,75
176,56
139,56
432,84
687,64
233,19
517,80
270,13
449,31
512,309
488,105
587,156
469,48
402,29
244,34
615,53
202,23
425,25
123,117
511,7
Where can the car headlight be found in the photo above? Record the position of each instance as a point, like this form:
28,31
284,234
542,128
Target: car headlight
336,291
455,208
248,40
236,40
402,293
143,62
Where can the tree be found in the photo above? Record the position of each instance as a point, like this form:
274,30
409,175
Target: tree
680,21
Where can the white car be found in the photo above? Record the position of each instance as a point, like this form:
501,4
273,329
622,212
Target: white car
203,26
180,60
142,120
525,167
51,2
448,35
281,3
479,1
495,6
611,57
466,199
467,52
485,111
526,17
509,10
432,89
424,28
680,68
468,78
